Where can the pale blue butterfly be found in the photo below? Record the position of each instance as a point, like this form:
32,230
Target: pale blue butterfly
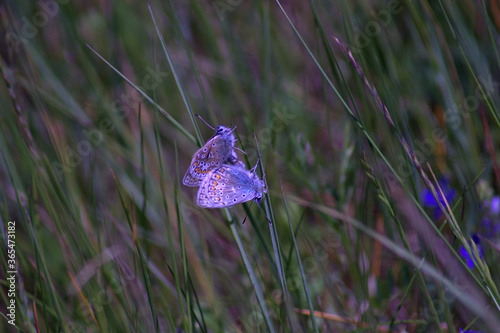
230,185
217,151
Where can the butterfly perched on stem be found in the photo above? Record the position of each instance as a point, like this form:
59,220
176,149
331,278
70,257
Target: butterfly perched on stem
217,151
230,185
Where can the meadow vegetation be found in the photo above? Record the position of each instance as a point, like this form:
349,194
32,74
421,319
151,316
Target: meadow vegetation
376,124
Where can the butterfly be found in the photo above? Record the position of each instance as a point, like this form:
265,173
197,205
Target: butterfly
217,151
230,185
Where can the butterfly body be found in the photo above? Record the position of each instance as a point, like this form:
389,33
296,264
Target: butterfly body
216,152
230,185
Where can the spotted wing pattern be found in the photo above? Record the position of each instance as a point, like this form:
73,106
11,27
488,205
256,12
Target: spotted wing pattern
227,186
217,151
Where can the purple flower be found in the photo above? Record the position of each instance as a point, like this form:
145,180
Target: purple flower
469,260
491,220
469,331
429,201
495,205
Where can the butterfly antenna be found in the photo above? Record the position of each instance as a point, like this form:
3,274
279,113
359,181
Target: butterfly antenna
197,115
240,150
232,129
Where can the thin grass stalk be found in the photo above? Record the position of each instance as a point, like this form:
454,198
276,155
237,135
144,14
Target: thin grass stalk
487,98
38,266
131,219
381,105
149,99
177,80
273,303
203,324
165,207
275,241
191,62
39,257
407,148
403,298
344,103
251,273
302,273
386,202
464,297
180,229
490,32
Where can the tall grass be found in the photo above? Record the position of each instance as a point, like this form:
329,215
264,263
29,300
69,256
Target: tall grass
376,125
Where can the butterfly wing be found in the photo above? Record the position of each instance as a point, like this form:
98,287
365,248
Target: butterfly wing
202,198
212,155
226,186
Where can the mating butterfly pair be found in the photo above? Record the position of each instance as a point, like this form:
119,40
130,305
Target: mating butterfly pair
223,180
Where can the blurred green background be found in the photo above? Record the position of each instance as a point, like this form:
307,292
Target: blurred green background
379,153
